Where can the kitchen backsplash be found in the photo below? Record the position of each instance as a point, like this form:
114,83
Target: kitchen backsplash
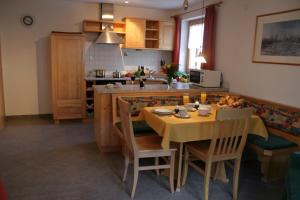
110,58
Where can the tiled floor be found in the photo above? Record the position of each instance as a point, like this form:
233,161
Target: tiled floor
41,161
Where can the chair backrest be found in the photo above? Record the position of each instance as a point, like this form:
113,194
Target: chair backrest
126,123
231,132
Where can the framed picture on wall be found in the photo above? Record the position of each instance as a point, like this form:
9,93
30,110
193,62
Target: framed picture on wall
277,38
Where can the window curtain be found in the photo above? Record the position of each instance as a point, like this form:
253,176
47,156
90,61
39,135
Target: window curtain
3,194
209,38
176,48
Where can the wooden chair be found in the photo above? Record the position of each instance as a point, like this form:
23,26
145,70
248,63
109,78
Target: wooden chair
227,143
142,147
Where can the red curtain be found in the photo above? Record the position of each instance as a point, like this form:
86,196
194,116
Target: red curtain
176,48
209,38
3,195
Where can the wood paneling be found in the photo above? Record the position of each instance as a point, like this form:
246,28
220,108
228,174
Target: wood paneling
106,137
166,35
67,59
135,33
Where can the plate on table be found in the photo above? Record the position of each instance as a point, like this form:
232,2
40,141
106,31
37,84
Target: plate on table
191,109
163,111
183,117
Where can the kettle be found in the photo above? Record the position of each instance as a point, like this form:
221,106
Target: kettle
100,73
116,74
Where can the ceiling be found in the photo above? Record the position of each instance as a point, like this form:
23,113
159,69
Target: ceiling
160,4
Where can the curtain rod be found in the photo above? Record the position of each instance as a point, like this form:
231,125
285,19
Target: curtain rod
215,4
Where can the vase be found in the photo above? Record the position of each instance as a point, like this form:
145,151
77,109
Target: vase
170,82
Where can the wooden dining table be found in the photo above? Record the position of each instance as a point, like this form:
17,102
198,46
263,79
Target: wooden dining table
196,128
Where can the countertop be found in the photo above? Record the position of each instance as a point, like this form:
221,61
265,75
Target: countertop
177,87
106,79
120,79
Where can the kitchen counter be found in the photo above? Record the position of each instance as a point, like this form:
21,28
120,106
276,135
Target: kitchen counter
155,88
106,79
105,108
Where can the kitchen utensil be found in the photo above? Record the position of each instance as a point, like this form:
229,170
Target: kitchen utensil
116,74
100,73
186,116
203,111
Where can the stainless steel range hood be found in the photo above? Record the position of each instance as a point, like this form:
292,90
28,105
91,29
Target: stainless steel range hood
107,16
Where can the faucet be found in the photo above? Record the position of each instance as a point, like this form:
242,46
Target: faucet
151,72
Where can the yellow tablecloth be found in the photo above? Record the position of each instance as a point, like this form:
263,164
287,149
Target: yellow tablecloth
195,128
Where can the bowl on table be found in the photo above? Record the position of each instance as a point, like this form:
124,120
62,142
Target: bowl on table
203,111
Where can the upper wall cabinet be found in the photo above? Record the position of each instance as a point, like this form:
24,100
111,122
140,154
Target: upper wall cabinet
152,34
139,33
98,26
166,35
135,33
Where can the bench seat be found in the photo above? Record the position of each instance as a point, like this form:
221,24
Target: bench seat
273,155
139,128
273,142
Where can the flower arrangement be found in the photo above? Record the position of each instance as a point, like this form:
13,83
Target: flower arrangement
171,70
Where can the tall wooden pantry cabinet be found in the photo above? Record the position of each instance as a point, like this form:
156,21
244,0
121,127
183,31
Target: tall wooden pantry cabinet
68,85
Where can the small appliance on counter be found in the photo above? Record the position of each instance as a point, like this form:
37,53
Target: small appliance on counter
116,74
205,78
100,73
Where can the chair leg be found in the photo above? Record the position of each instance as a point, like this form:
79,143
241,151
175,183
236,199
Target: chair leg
156,164
172,165
126,166
236,178
135,176
207,179
185,165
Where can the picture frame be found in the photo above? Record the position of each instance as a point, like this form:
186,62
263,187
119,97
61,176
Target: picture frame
277,38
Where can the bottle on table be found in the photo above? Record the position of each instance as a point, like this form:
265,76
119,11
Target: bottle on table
137,74
143,75
142,84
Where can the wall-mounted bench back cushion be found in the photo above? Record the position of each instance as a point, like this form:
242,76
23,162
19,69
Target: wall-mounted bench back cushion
278,118
138,103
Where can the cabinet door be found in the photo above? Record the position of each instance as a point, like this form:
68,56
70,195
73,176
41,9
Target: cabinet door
67,52
166,35
135,33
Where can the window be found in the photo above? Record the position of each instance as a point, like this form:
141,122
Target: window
195,42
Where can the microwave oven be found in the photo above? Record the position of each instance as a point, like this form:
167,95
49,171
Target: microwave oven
205,78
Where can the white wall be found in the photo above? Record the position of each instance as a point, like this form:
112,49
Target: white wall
235,38
26,55
26,50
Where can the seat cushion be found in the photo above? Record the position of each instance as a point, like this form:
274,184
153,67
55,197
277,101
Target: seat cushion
139,127
273,142
293,177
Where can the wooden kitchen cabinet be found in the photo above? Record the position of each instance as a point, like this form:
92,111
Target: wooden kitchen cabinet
166,35
68,85
135,33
